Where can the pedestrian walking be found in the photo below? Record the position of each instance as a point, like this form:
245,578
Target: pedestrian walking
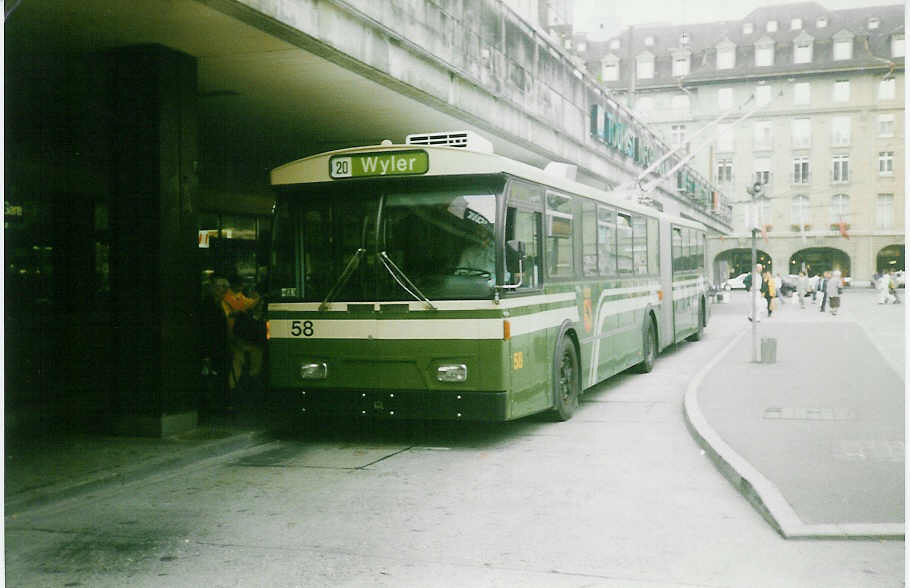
802,286
823,287
892,288
769,291
833,291
881,285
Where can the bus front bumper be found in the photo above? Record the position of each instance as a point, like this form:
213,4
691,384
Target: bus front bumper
404,404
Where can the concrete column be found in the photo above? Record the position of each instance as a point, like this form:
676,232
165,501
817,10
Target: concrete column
154,283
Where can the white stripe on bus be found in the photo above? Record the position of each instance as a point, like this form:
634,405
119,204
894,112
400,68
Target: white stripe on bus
614,307
420,328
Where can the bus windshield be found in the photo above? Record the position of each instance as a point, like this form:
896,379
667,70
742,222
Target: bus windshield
384,240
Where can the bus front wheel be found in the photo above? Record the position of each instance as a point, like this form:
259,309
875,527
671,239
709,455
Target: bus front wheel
566,380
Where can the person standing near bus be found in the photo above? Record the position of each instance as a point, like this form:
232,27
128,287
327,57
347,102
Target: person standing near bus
246,353
768,290
833,291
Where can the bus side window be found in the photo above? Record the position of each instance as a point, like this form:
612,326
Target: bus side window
624,243
606,241
522,226
677,249
653,247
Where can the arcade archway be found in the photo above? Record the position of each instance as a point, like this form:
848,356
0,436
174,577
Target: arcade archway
817,260
739,261
890,258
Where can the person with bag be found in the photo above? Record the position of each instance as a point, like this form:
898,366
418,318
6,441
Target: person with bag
833,291
244,341
769,291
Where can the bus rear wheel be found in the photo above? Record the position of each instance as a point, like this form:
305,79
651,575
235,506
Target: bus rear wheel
648,349
566,380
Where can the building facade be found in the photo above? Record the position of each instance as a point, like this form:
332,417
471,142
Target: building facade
814,103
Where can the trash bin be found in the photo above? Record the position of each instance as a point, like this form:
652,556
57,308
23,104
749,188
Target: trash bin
768,350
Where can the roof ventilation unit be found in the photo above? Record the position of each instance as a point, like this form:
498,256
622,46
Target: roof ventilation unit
462,139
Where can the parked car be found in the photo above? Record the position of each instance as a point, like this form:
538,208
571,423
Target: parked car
736,283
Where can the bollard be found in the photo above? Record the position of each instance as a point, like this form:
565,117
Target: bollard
768,350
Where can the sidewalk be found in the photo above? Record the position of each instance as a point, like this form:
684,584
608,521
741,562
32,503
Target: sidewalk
815,440
43,469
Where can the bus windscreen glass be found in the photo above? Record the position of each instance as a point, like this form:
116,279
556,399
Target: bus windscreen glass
437,234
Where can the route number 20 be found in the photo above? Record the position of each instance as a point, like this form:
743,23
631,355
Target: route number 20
304,328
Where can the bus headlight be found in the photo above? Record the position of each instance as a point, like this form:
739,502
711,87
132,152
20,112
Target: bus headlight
457,372
314,371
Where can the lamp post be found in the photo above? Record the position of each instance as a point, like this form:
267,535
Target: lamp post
755,190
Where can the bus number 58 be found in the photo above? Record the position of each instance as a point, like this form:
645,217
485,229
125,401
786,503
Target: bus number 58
304,328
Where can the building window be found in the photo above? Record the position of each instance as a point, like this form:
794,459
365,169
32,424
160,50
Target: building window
840,131
886,125
645,69
884,211
764,55
680,103
841,91
644,105
843,49
801,93
615,44
840,172
680,65
886,163
873,23
821,22
802,132
762,167
678,135
840,208
897,45
725,138
725,98
649,41
726,58
802,52
763,95
761,134
800,170
748,28
771,27
886,89
799,211
610,71
724,171
796,24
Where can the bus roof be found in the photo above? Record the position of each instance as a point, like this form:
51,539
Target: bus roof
448,161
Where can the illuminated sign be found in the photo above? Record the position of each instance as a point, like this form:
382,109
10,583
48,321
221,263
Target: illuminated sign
364,165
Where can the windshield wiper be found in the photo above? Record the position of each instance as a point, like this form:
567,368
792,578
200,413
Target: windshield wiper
399,276
343,278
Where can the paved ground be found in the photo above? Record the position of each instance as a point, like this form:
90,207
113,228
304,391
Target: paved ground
620,496
819,434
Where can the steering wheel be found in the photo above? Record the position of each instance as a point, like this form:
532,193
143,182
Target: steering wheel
472,271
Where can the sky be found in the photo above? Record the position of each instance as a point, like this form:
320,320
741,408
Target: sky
589,13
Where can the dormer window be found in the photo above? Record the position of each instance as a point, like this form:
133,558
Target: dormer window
764,52
796,24
726,55
771,27
644,66
821,22
615,44
897,45
684,39
802,48
843,45
681,61
649,41
873,23
747,28
609,68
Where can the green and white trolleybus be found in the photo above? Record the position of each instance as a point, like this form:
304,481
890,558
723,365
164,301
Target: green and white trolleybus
436,280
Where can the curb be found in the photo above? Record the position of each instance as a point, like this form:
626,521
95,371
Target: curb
755,487
216,448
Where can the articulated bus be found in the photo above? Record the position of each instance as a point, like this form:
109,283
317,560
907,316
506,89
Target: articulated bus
436,280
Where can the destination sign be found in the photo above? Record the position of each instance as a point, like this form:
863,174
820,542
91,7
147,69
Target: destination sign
395,163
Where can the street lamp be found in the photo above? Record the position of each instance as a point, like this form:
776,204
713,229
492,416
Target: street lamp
756,190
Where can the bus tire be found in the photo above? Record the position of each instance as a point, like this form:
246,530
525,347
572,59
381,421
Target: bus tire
648,347
566,380
700,332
